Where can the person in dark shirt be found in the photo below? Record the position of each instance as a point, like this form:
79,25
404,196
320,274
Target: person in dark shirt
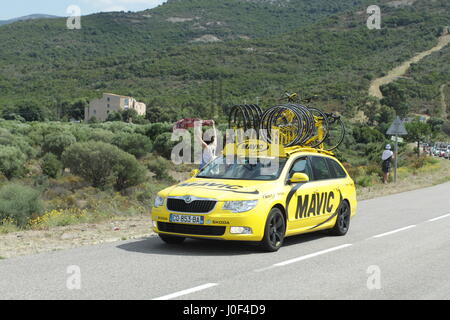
387,158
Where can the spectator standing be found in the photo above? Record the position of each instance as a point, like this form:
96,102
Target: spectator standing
209,147
386,165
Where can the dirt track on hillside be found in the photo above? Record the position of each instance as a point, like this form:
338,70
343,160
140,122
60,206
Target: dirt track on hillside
394,74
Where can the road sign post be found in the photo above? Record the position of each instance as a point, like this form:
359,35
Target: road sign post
396,129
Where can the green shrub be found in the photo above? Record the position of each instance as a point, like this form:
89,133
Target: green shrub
114,116
374,170
446,127
15,140
118,127
354,171
136,144
19,203
430,161
12,162
129,172
101,135
57,143
51,166
103,164
81,132
365,181
163,145
159,166
156,129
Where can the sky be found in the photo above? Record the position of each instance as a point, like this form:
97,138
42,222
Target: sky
18,8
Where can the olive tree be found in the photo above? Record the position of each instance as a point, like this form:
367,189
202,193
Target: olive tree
103,164
12,162
134,143
56,143
51,166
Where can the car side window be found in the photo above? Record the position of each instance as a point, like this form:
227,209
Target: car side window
300,166
336,169
320,168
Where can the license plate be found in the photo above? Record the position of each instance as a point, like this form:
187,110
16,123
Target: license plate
182,218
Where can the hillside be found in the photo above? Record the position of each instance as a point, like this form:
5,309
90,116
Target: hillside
29,17
427,85
258,50
400,71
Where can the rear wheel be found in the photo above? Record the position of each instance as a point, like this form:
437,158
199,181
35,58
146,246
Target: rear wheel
274,231
171,239
343,220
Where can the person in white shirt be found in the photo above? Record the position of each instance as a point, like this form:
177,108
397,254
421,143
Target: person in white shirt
387,158
209,147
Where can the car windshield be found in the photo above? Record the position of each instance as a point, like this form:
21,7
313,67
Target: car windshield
244,168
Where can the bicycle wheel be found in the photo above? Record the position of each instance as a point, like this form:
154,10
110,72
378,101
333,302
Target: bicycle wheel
336,132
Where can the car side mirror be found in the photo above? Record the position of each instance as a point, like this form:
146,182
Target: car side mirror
299,178
194,172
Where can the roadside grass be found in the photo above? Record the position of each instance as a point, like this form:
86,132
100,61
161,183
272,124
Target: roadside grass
68,203
433,172
8,225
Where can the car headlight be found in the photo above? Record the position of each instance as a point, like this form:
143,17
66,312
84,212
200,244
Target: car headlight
159,201
240,206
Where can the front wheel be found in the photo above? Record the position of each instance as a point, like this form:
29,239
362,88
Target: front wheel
171,239
274,231
343,220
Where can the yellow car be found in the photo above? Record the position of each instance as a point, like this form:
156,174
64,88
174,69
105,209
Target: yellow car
258,198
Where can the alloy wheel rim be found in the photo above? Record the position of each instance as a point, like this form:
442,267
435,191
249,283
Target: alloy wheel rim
276,230
344,218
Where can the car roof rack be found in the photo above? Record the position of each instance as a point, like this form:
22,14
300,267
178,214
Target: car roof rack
291,124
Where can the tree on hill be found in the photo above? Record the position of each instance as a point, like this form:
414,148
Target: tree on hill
395,97
417,132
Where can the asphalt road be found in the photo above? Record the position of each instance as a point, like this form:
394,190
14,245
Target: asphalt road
399,245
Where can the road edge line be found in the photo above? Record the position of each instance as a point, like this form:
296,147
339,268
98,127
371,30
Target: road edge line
439,218
393,231
312,255
187,291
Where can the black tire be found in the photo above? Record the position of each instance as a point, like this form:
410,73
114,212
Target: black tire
343,220
171,239
274,231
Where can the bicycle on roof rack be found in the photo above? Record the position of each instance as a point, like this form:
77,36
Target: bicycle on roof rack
294,124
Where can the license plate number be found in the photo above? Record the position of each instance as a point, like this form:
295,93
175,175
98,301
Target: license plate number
182,218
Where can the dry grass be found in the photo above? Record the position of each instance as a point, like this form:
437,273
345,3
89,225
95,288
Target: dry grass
28,242
407,181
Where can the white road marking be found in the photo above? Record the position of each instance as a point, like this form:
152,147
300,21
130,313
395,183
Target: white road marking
308,256
394,231
264,269
439,218
187,291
